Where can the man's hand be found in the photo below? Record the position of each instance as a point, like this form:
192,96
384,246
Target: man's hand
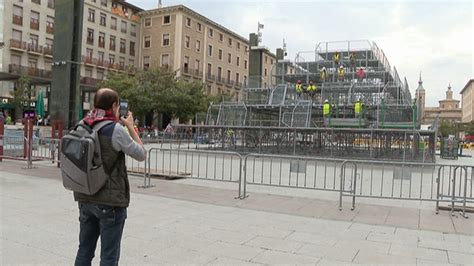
128,122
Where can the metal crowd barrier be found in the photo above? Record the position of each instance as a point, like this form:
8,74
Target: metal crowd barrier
291,171
197,164
406,181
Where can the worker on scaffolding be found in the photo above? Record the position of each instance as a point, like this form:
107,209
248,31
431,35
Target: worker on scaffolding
341,72
324,74
337,58
360,74
352,59
311,89
358,109
326,112
298,88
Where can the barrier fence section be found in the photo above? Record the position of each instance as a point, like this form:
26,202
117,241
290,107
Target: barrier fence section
197,164
406,181
291,171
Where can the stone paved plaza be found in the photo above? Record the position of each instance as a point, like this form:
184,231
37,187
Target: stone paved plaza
176,223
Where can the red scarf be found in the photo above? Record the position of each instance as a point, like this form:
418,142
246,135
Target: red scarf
98,115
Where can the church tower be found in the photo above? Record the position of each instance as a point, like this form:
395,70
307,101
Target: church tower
420,99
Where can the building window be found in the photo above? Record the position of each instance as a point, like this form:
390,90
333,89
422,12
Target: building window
245,64
103,2
236,77
112,43
100,56
211,33
197,66
131,62
187,41
147,22
238,61
89,72
166,39
265,72
228,76
103,19
90,36
167,19
113,23
91,16
198,46
15,60
147,42
238,45
271,61
17,15
35,1
100,74
133,30
122,61
209,70
229,58
188,22
111,59
123,47
165,60
16,35
219,73
89,53
34,40
220,54
230,42
51,4
123,27
221,37
34,20
186,64
132,48
101,40
198,27
50,25
209,50
146,62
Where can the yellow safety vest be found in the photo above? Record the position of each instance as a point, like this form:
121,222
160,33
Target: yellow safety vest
326,109
341,72
358,107
336,57
299,88
311,88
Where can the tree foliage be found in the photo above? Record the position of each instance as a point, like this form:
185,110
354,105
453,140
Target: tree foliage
157,90
22,93
447,128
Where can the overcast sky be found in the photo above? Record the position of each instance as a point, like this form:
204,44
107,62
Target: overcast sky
434,37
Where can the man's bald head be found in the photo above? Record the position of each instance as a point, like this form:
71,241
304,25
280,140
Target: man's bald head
105,98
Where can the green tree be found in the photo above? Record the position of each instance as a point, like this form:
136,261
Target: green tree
22,93
447,128
157,90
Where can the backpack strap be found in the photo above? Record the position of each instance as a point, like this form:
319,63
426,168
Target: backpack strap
97,127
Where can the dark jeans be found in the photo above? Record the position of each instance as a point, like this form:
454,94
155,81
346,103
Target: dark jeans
104,221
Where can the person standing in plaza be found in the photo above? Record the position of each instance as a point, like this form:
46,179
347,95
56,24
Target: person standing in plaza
103,214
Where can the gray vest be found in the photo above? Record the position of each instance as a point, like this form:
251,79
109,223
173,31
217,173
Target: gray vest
116,191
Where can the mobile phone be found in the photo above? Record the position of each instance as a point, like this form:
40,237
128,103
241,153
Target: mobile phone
123,108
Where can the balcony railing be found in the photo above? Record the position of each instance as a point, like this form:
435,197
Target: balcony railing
132,52
30,71
35,48
102,44
34,24
90,41
17,44
90,81
87,59
18,20
123,50
51,4
219,79
48,50
101,63
112,47
50,28
210,77
114,27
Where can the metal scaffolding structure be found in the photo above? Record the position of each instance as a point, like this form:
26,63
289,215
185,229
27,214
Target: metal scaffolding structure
387,122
